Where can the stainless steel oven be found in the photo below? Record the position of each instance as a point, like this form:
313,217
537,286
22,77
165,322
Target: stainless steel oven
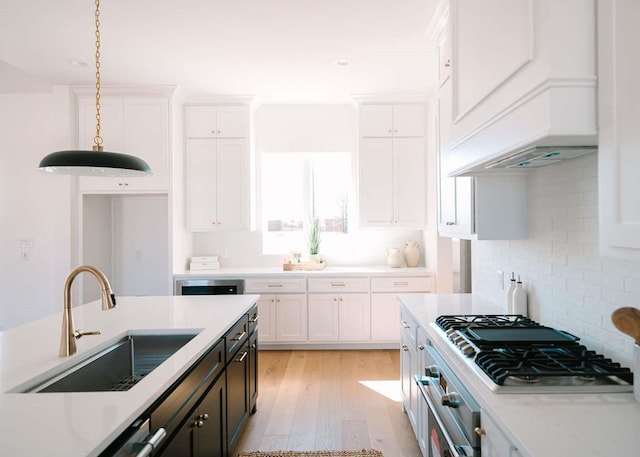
453,415
208,286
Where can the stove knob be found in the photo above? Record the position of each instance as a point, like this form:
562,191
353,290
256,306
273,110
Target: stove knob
452,400
432,372
449,332
467,349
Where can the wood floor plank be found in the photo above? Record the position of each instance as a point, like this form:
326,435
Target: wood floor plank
329,400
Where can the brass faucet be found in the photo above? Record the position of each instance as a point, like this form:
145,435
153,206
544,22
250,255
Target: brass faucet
69,333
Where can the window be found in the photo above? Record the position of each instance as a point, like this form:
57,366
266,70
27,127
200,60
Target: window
295,188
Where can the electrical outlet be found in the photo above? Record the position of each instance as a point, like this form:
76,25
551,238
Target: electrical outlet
500,279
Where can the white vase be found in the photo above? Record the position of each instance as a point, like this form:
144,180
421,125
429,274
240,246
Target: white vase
394,257
412,253
314,258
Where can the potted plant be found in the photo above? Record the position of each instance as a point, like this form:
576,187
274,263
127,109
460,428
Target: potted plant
314,240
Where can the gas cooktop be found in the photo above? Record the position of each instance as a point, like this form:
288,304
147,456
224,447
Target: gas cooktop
513,353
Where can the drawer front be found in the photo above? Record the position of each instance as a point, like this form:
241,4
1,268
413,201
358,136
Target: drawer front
402,284
253,318
357,284
236,337
275,285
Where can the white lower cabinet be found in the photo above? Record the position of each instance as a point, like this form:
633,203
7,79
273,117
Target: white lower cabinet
494,443
409,367
339,317
282,308
385,306
343,316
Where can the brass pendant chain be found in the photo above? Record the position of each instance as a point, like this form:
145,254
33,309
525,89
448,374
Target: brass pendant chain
97,139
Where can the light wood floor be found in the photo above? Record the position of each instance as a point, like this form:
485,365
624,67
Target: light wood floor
327,400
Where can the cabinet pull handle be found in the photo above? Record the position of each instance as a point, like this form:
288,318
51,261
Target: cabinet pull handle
405,325
253,346
405,348
152,443
401,283
450,223
254,319
239,337
274,285
337,284
447,63
244,354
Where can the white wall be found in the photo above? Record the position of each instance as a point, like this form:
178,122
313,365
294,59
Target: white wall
570,286
33,206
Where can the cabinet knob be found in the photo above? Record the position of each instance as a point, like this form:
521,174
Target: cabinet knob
405,348
199,423
421,347
447,64
479,431
204,416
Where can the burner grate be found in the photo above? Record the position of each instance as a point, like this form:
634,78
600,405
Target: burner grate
462,321
533,362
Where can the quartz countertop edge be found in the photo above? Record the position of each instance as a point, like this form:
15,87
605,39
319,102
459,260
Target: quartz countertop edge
248,272
549,425
85,423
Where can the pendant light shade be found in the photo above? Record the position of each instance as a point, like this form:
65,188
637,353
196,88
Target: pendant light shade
95,162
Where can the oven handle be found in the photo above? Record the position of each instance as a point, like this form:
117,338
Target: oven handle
452,446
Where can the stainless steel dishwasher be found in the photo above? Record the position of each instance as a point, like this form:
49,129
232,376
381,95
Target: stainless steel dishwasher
208,286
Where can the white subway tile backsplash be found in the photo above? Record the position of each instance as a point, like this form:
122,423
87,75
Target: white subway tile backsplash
569,285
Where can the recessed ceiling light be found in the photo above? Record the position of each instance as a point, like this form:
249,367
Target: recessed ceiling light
78,63
342,62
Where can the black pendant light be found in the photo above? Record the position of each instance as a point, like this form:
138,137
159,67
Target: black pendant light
96,162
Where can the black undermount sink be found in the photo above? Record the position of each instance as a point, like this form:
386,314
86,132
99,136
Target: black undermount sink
117,368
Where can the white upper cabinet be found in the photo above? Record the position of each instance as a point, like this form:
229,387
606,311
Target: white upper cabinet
523,74
619,111
224,121
217,167
137,126
392,166
392,120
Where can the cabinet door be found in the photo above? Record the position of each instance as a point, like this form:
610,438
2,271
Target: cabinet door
376,120
146,135
267,313
201,184
200,121
232,193
323,317
408,120
619,109
291,317
354,317
111,131
494,442
385,314
237,395
376,182
408,181
211,421
217,121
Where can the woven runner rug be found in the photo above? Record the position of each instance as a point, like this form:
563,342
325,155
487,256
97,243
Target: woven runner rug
360,453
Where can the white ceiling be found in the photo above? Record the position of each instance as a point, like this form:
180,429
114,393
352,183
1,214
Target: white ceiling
277,50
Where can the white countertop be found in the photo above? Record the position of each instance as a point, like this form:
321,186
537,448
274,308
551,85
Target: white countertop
328,271
83,424
585,425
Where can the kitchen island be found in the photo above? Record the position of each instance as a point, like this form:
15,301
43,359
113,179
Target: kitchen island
531,425
85,423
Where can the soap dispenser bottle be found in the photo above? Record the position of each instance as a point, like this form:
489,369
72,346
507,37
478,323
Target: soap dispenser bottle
519,299
512,287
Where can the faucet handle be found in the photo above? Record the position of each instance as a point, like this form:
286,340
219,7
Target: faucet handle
80,333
